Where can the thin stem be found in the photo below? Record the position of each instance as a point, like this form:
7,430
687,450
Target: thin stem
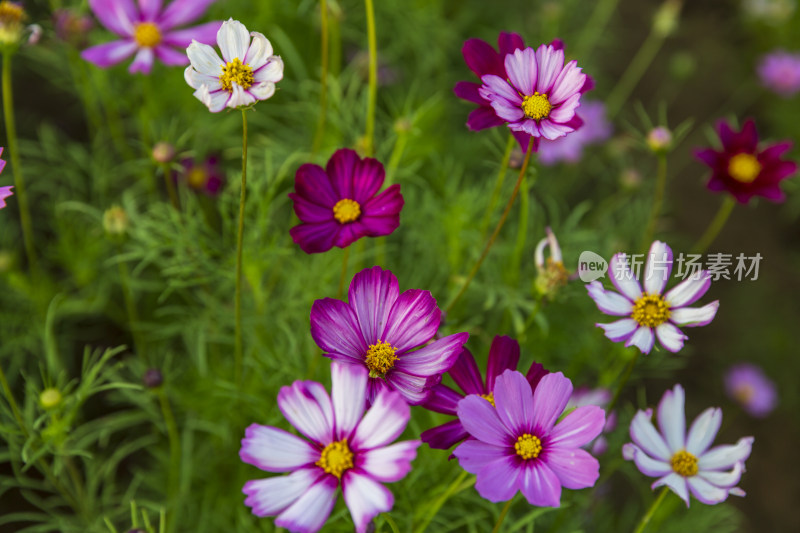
10,399
715,226
658,201
323,77
498,185
624,381
651,511
130,308
16,167
173,194
502,516
174,447
343,277
496,231
239,241
452,489
372,95
592,32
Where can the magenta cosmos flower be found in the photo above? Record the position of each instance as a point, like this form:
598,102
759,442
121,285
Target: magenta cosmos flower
148,31
203,175
540,95
742,169
683,462
752,389
780,72
347,448
380,329
517,444
340,204
5,192
649,314
503,355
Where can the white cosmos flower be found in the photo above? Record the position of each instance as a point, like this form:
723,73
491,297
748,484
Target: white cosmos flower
246,73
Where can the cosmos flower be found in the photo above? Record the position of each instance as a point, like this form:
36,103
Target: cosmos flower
203,175
742,169
601,398
780,72
540,95
339,204
649,314
246,73
148,31
517,444
71,26
683,462
347,449
5,192
380,329
569,149
12,16
746,384
503,355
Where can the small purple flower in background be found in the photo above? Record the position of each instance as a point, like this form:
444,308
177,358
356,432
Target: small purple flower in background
780,72
517,444
5,192
380,329
747,384
503,355
340,204
148,31
601,398
742,169
649,313
348,448
246,74
683,462
204,175
72,27
596,128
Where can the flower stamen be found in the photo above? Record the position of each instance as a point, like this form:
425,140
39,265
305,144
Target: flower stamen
336,458
684,464
380,359
528,446
147,34
650,310
537,106
744,168
489,398
346,210
236,72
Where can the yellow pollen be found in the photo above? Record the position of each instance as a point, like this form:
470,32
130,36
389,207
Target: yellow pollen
196,178
10,12
537,106
744,393
684,463
744,168
236,71
380,359
146,34
346,210
528,446
650,310
336,458
489,398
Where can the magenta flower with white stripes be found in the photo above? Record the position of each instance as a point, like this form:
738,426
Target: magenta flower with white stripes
686,462
649,314
345,448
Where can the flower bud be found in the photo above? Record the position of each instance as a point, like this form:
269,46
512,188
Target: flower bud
163,152
11,17
152,378
552,274
50,398
115,221
665,20
659,140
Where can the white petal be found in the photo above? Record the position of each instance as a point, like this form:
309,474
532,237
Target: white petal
621,330
644,434
275,450
390,463
694,316
272,71
233,40
240,97
349,391
259,51
643,339
724,457
215,101
307,406
672,418
262,91
723,479
609,302
689,290
622,277
365,498
646,464
204,59
312,509
658,268
384,421
670,337
196,79
703,431
705,491
271,496
675,482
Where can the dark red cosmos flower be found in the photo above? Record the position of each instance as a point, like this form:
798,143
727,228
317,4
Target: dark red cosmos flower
742,169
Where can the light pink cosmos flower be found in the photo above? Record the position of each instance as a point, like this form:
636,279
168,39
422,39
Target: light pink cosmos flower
747,384
780,72
148,31
5,192
348,448
683,462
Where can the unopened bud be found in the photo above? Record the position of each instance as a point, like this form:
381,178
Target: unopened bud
152,378
115,221
665,20
50,398
163,152
11,18
630,179
659,139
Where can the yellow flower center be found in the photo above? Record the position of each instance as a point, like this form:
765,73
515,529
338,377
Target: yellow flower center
346,210
528,446
147,35
744,393
11,13
684,463
196,178
489,398
380,359
336,458
650,310
744,168
537,106
236,71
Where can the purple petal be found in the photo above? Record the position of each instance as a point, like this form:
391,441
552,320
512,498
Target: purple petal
621,330
413,321
578,428
466,374
390,463
473,455
703,431
204,33
622,277
444,436
307,406
549,401
575,469
467,90
481,58
271,496
676,483
365,498
551,130
644,434
507,43
149,9
672,418
143,62
333,327
503,355
372,295
381,215
349,390
496,88
522,70
550,63
658,268
540,485
670,337
433,359
724,479
689,291
695,316
643,338
565,112
535,374
342,167
315,238
482,118
481,421
498,480
508,111
171,57
106,55
5,192
367,179
312,183
180,12
309,513
646,464
276,450
724,457
609,302
514,402
383,423
310,212
568,83
117,15
415,389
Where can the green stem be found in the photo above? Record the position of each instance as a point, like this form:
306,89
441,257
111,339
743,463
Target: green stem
397,155
10,399
343,277
623,381
592,32
323,78
502,516
434,509
716,225
173,194
130,307
651,511
239,241
16,167
174,448
522,228
658,201
498,185
372,95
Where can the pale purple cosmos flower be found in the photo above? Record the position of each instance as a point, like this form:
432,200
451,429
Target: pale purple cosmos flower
685,462
203,175
746,384
148,31
503,355
347,448
339,204
780,72
517,444
601,398
649,314
247,72
569,149
381,329
541,94
5,192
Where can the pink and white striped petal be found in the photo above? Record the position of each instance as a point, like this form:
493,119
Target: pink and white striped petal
309,513
272,496
694,316
307,406
348,389
611,303
703,431
672,418
365,498
390,463
384,422
275,450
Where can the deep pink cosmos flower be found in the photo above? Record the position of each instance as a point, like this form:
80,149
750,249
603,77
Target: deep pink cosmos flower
203,175
5,192
742,169
649,314
340,204
682,461
348,448
503,355
752,389
517,444
780,72
380,329
148,31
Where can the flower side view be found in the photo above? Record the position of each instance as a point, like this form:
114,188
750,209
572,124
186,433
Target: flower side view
747,384
339,204
686,462
649,313
149,32
5,192
742,169
503,355
517,444
203,175
247,72
381,329
347,449
780,72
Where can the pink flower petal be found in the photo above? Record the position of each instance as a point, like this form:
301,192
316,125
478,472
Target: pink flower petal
724,457
646,464
390,463
108,54
365,498
676,483
609,302
181,12
689,291
466,374
315,238
481,421
435,358
672,418
515,403
549,400
143,62
522,70
540,485
703,431
415,390
349,389
272,496
309,513
204,33
622,277
333,327
568,83
621,330
578,428
474,454
149,9
658,268
695,316
481,58
670,337
705,491
503,355
276,450
643,338
575,469
372,294
550,63
644,434
413,320
498,480
117,15
171,57
307,406
383,423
